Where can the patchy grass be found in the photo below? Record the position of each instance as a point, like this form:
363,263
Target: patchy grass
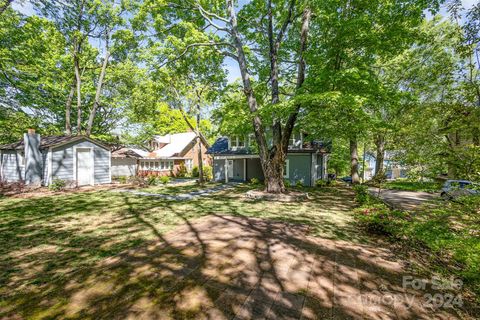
52,244
448,233
407,185
172,189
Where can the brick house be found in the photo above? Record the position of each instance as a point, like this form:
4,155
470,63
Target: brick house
170,152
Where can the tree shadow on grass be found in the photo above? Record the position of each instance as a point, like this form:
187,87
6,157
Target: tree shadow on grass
215,267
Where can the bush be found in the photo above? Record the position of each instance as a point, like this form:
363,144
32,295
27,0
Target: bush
207,173
299,184
182,170
164,179
320,183
122,179
151,180
195,172
361,194
57,185
254,181
378,219
287,183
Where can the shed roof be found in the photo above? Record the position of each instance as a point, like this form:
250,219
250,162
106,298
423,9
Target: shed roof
51,141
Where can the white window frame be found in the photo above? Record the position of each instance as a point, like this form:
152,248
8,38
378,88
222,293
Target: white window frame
286,173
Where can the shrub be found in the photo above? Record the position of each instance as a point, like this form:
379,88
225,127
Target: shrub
287,183
57,185
254,181
122,179
151,180
195,172
164,179
378,219
299,184
361,194
207,173
182,170
320,183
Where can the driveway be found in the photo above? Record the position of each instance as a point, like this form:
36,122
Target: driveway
405,200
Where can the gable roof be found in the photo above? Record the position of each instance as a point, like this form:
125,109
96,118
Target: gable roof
176,143
51,141
129,153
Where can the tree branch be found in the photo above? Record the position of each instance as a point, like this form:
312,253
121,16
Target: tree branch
202,44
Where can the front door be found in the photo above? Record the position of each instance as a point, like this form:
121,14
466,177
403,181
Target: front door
84,167
230,169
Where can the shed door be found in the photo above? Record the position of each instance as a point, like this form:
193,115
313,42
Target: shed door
230,168
84,167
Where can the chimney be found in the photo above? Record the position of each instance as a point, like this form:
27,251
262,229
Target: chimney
33,158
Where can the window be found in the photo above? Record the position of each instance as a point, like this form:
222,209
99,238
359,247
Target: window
240,142
291,143
156,166
237,142
286,169
233,142
189,164
171,165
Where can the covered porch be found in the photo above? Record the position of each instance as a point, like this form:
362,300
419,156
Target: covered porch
238,168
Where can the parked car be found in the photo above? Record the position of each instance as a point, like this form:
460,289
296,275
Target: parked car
457,188
347,179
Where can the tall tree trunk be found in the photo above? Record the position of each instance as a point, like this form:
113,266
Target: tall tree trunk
98,92
201,179
271,159
79,94
354,161
68,109
380,145
5,4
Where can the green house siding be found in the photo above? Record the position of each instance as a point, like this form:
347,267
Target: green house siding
300,168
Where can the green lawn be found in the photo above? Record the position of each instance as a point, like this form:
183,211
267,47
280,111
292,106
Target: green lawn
444,232
52,243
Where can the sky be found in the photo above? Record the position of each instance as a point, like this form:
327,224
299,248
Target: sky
230,65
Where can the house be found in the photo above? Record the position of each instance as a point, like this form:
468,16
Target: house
39,160
125,161
172,151
235,159
393,169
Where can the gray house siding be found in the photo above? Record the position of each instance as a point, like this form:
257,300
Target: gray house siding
254,170
300,168
102,165
12,170
124,167
62,162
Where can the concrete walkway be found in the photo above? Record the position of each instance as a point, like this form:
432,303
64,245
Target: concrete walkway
404,200
182,196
